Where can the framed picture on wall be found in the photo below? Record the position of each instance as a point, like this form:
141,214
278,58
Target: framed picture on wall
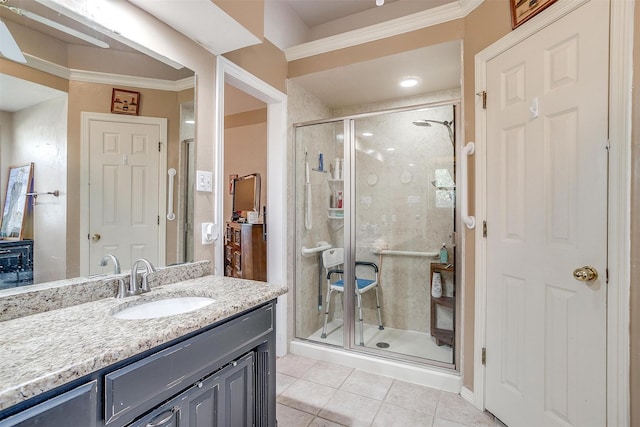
523,10
125,102
15,201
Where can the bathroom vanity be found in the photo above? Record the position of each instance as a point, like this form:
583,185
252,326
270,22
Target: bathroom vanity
81,366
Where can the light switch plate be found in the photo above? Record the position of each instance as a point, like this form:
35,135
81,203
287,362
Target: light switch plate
204,181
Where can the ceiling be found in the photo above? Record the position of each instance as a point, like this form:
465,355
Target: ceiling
329,17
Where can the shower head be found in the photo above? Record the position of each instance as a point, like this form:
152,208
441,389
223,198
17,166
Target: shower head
427,123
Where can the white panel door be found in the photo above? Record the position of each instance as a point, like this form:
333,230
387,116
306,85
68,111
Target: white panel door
124,192
547,216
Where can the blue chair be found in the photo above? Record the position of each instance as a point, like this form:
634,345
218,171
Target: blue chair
332,260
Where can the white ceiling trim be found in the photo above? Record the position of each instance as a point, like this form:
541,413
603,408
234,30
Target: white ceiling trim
137,82
47,67
107,78
416,21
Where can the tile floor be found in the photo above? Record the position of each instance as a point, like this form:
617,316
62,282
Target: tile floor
314,393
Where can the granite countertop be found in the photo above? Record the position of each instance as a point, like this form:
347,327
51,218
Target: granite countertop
45,350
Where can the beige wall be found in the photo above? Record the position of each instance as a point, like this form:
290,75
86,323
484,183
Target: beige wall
379,48
264,61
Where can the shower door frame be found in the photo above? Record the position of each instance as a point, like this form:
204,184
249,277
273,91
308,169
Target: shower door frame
349,235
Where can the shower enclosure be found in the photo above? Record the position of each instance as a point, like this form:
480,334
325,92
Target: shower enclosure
380,186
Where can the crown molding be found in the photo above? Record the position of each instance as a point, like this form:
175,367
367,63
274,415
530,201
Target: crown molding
416,21
138,82
108,78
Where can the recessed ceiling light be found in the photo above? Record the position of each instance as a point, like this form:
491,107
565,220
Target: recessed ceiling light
367,134
409,81
391,149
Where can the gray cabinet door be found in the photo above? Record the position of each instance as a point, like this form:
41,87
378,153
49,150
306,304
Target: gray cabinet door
225,398
77,407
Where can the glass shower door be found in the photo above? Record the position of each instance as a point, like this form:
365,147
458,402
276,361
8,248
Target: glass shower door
403,212
319,219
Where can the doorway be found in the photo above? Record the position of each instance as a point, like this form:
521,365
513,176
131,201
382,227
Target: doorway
228,72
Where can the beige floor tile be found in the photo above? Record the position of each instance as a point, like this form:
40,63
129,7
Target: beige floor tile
306,396
414,397
452,407
290,417
321,422
294,365
439,422
350,409
282,382
391,416
327,374
367,384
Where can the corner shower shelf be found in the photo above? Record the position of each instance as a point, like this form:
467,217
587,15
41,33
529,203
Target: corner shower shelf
335,213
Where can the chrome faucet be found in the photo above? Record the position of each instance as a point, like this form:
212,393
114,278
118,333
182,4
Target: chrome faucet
116,263
133,280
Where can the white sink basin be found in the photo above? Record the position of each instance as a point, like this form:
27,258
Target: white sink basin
163,308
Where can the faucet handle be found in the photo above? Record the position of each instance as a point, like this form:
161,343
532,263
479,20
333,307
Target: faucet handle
122,288
144,287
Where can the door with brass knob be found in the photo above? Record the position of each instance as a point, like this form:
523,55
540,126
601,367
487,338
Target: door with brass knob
96,237
585,274
545,196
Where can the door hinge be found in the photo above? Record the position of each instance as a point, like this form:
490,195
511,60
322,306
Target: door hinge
158,219
484,356
159,146
484,228
483,94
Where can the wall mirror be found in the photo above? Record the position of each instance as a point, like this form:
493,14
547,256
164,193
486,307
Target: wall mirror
41,114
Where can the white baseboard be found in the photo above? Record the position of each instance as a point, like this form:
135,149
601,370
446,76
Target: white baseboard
469,396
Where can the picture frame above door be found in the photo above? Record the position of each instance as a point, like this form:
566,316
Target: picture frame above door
523,10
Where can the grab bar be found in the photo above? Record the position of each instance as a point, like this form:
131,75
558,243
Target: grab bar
170,215
320,247
404,253
468,150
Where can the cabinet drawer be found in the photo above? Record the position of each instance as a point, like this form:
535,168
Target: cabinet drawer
77,407
142,385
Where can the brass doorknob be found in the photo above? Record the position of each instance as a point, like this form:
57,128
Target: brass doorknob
585,274
96,237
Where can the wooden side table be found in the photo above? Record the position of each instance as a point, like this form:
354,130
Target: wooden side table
443,336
